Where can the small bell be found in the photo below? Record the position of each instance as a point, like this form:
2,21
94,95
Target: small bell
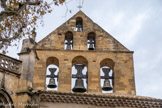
68,44
52,83
107,86
79,28
79,86
91,44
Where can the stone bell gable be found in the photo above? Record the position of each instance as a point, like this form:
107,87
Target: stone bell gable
81,41
103,40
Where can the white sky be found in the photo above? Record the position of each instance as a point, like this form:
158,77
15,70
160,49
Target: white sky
137,24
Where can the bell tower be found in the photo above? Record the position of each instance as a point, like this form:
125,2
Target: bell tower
79,56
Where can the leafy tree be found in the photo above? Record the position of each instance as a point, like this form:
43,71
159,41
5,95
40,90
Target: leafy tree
18,18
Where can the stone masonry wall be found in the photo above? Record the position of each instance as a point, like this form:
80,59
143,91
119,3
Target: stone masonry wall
104,41
123,70
106,47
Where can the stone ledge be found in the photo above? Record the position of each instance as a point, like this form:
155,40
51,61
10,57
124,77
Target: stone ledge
84,50
111,100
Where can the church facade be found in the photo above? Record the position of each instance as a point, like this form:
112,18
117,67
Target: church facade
77,65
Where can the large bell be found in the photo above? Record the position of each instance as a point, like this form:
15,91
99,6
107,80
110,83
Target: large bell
79,86
52,83
107,86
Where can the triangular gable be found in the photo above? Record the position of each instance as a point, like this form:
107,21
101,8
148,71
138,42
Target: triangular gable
55,40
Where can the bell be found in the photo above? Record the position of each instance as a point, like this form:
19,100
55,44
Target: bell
107,86
79,86
68,47
79,28
91,43
52,83
68,44
91,47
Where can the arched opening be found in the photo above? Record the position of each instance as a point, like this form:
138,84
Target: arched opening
68,40
107,75
79,24
91,41
5,100
79,74
52,73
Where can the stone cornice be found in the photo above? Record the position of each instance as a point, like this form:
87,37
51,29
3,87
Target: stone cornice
84,50
111,100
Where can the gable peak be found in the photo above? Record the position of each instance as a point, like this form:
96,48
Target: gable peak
79,14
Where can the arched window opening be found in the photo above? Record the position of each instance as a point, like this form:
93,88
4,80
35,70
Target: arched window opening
52,74
79,24
79,75
69,41
5,100
107,76
91,41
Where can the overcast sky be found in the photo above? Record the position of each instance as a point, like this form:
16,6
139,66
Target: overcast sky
137,24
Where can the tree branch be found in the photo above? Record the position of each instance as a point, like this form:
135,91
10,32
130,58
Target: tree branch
3,4
14,37
10,12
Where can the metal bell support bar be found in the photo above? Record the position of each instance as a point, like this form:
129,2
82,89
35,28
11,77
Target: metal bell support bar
52,77
69,44
79,84
107,85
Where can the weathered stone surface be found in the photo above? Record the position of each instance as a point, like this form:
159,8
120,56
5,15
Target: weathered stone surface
106,47
123,77
104,41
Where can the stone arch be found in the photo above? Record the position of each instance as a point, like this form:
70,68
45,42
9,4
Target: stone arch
79,74
107,79
68,40
80,60
5,99
79,24
69,34
91,32
52,60
107,62
91,35
91,40
52,71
